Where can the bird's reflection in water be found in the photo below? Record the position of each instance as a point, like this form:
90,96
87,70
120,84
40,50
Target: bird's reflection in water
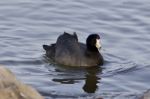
91,80
66,81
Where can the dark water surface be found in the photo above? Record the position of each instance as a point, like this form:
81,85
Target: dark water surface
124,26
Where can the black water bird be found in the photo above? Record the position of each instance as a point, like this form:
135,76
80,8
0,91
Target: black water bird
68,51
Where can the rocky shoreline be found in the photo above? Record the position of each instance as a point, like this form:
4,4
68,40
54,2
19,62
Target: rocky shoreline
146,95
11,88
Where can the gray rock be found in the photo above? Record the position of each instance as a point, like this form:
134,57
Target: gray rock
11,88
146,95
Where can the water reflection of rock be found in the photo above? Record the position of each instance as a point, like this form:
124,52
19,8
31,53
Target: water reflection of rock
91,80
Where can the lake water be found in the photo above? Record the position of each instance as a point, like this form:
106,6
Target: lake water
124,26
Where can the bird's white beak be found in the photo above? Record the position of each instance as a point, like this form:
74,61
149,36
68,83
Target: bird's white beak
98,44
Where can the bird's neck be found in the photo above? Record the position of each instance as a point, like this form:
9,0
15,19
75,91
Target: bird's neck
92,49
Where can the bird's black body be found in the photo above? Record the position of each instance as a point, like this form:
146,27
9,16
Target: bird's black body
68,51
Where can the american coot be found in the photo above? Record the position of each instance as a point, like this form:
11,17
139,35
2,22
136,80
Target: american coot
68,51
